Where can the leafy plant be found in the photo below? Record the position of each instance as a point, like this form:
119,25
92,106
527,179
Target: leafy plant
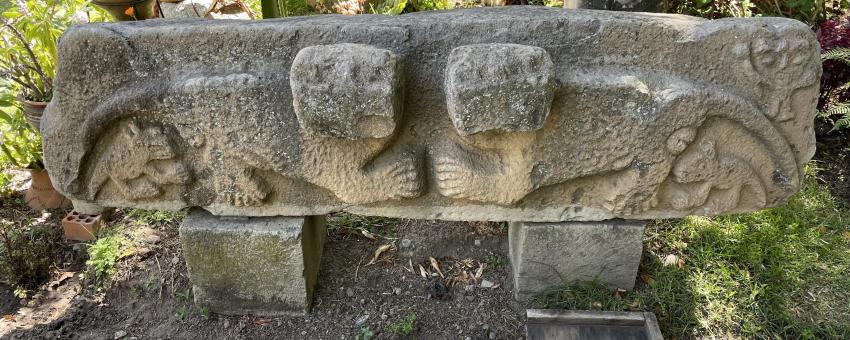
837,112
31,30
25,254
365,334
103,255
20,144
405,326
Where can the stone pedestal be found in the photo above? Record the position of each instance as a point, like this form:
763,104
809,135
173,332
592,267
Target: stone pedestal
258,265
545,255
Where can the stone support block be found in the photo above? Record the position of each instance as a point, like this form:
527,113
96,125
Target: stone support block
258,265
545,255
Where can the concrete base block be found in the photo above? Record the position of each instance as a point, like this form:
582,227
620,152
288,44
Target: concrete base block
544,255
258,265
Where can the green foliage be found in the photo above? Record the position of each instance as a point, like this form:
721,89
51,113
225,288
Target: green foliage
31,29
26,254
104,253
388,7
776,273
405,326
154,217
809,11
365,334
494,261
20,144
432,5
279,8
837,113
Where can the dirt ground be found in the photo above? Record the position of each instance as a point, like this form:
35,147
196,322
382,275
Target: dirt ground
149,296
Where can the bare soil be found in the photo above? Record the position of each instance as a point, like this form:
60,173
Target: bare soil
149,296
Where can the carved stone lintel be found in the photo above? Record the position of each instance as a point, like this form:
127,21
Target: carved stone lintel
521,113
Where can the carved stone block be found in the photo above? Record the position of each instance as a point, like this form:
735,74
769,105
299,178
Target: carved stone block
259,265
346,90
504,87
521,113
548,255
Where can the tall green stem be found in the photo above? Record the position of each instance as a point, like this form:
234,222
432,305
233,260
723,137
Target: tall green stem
271,9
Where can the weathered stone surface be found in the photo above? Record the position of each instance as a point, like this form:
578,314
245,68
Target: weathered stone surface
252,265
545,255
520,113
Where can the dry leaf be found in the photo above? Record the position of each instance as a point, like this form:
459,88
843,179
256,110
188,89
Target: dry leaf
130,11
671,260
846,235
367,234
9,317
647,279
823,229
436,266
480,271
617,293
378,253
422,272
260,322
410,269
634,305
681,263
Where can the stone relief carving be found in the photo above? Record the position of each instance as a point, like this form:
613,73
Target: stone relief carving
139,162
518,127
348,98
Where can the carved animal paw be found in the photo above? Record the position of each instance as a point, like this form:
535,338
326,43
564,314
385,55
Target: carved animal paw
455,179
635,204
247,192
404,176
142,188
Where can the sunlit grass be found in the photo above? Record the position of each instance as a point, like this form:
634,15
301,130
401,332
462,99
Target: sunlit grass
776,273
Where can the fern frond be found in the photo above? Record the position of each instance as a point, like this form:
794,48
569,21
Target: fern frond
839,54
842,110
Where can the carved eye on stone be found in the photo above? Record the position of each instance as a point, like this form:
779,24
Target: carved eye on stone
504,87
348,91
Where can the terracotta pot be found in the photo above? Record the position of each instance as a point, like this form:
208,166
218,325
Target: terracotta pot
41,194
33,111
128,10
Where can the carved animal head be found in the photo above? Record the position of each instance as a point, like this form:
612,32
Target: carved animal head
149,141
697,163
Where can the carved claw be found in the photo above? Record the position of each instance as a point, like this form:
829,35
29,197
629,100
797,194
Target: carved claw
248,191
455,179
404,175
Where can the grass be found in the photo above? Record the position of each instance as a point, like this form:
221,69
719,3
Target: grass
775,273
154,218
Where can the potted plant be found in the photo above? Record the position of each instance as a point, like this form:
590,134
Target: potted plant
28,35
23,68
128,10
20,146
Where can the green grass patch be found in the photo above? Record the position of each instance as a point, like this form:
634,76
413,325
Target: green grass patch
776,273
154,217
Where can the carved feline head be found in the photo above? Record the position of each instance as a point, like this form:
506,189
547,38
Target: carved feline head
148,140
697,163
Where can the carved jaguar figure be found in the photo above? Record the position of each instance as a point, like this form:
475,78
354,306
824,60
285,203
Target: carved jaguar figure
139,162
